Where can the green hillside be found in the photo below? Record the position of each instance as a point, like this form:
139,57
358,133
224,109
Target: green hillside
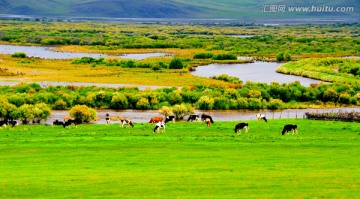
244,9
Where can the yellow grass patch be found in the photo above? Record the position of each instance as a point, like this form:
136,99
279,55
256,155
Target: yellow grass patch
37,70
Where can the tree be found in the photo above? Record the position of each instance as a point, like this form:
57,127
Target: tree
180,110
165,110
41,111
6,109
26,113
82,113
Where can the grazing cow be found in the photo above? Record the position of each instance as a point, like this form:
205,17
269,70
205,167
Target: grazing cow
58,123
193,118
69,122
4,123
107,119
204,117
158,126
170,118
208,122
126,122
261,117
240,126
13,123
289,127
156,120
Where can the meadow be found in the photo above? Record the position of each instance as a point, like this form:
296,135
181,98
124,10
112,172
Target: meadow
190,160
339,70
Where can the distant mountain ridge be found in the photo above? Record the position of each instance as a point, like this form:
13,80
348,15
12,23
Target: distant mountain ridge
244,9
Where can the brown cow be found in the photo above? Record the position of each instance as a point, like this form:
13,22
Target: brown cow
156,119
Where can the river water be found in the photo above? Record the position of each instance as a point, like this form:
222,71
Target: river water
49,53
264,72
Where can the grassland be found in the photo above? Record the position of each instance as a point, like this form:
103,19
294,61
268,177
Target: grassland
325,69
38,70
189,161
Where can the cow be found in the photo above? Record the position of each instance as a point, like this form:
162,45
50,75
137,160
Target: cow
156,120
289,127
69,122
261,117
58,123
208,122
193,118
158,126
170,118
13,123
4,123
240,126
107,119
204,117
126,122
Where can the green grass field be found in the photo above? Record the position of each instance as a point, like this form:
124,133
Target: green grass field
190,160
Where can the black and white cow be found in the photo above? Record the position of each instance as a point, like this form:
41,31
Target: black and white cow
3,123
170,118
158,126
126,122
69,122
58,123
240,126
289,127
204,117
13,123
107,118
193,118
261,117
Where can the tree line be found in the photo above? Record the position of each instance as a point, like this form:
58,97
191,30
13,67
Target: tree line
245,96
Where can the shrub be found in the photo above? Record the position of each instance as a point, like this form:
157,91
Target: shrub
18,55
143,103
281,57
82,113
224,57
203,55
60,104
227,78
344,98
41,111
176,63
275,104
255,103
165,110
205,103
180,110
6,109
119,101
330,95
25,113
